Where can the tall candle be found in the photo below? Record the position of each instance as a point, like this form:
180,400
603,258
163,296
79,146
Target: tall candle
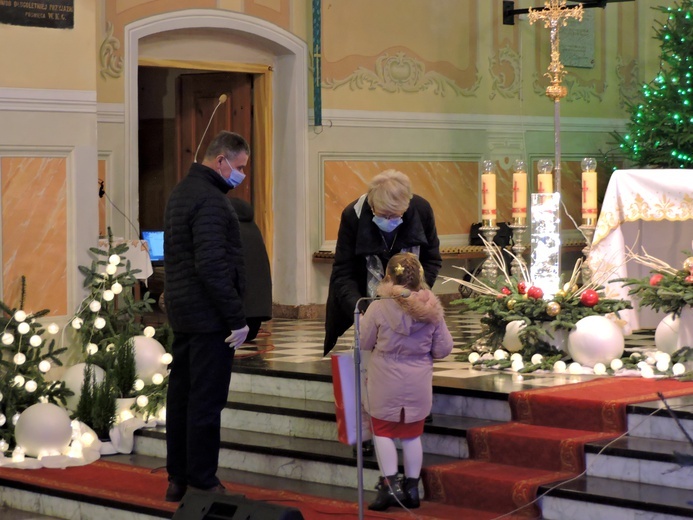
545,183
519,207
488,194
589,189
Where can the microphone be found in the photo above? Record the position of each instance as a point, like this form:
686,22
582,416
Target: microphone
222,100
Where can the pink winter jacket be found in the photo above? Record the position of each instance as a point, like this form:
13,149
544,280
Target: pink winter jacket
405,335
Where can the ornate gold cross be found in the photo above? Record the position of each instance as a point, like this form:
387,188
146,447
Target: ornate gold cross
554,13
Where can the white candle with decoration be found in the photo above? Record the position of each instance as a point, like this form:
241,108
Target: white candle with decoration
488,194
519,207
545,176
589,190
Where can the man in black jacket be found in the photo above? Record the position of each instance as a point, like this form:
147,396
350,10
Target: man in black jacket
204,285
387,220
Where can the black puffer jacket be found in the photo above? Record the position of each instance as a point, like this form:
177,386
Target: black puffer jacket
203,256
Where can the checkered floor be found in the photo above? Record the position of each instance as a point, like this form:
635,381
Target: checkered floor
300,342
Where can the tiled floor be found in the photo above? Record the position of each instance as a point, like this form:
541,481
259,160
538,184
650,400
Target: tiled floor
297,345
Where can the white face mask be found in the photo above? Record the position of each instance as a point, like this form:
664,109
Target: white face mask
235,177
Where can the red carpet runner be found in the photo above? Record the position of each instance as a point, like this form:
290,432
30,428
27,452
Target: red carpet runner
543,444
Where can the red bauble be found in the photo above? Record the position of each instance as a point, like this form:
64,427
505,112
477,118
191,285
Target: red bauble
506,291
689,278
589,298
535,292
522,287
656,278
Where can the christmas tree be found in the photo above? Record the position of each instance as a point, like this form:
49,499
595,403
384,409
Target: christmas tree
660,133
25,358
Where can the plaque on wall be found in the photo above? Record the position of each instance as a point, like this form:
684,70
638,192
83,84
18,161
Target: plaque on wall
577,41
54,14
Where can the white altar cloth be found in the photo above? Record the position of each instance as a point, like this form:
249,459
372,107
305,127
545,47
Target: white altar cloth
650,209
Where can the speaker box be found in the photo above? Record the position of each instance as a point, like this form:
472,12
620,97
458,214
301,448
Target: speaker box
199,505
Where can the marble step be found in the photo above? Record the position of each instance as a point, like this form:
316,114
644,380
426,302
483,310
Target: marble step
594,497
311,460
650,420
445,435
643,460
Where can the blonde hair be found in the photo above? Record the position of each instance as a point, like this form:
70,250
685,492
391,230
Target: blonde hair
390,192
405,269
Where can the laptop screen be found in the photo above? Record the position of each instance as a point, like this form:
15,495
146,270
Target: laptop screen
155,241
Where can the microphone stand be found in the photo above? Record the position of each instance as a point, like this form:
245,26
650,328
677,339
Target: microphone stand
359,415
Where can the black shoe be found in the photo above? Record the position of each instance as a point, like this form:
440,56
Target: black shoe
219,488
390,494
175,492
410,487
367,449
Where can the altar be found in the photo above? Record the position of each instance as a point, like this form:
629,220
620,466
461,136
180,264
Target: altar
644,210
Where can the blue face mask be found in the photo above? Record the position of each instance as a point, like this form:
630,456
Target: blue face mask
235,177
387,225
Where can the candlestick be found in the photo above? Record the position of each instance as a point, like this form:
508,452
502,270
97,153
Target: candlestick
519,227
489,268
589,189
545,177
488,194
519,207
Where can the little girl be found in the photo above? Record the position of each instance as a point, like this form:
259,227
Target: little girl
406,331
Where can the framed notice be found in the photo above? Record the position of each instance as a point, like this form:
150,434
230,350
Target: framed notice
54,14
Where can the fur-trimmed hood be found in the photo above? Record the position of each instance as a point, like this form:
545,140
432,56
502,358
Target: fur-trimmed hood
421,306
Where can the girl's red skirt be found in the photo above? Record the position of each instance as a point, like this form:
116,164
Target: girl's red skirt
398,430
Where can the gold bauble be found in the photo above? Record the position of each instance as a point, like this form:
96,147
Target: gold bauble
688,263
553,308
511,304
570,288
560,292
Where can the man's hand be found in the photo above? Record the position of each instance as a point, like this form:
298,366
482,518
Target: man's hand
237,337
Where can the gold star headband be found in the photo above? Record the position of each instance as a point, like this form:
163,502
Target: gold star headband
399,269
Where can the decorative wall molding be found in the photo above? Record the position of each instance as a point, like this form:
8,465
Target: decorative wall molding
439,121
111,60
400,73
46,100
110,113
506,87
628,84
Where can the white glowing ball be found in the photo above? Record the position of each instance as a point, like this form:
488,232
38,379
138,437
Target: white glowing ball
114,259
157,379
23,327
20,316
511,339
473,358
77,323
536,359
95,306
500,354
110,347
18,380
74,378
678,369
595,339
139,385
149,331
31,386
35,340
7,338
44,366
142,401
108,295
515,356
662,365
43,426
616,364
3,419
646,371
53,328
599,369
19,358
3,445
111,269
15,418
575,368
167,358
559,367
99,323
517,365
667,334
92,348
148,352
116,288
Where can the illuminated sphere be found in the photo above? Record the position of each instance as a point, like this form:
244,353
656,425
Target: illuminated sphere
616,364
139,385
53,328
667,334
77,323
595,339
517,365
3,419
678,369
20,316
111,269
142,401
559,367
511,339
575,368
92,348
599,369
95,306
99,323
114,259
15,418
167,358
537,358
108,295
74,378
7,338
149,331
500,354
35,340
18,380
19,358
148,352
23,327
30,386
43,426
157,379
473,357
116,288
44,366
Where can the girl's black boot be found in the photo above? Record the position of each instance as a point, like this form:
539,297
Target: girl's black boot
389,494
410,487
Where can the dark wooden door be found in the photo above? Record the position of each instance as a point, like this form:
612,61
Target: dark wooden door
198,95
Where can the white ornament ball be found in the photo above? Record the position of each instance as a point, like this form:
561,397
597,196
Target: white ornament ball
77,323
92,348
99,323
149,331
157,379
167,358
473,358
500,354
43,426
19,358
511,339
20,316
599,369
44,366
108,295
559,367
31,386
667,334
114,259
616,364
678,369
517,365
662,365
139,385
516,356
148,352
595,339
53,328
537,358
23,327
74,378
142,401
15,418
95,306
111,269
7,338
35,340
18,380
3,419
116,288
575,368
